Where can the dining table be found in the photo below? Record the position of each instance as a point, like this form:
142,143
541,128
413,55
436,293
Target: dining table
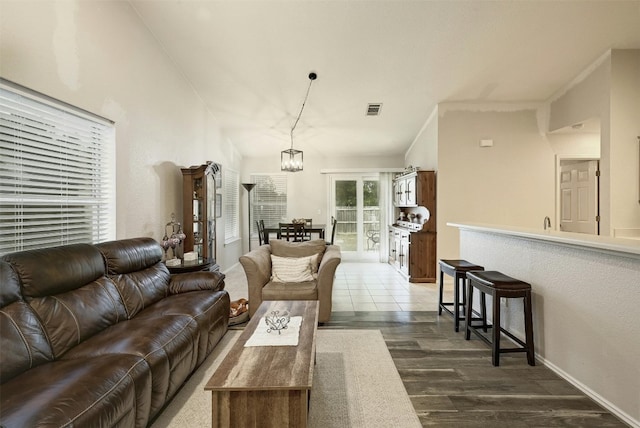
275,229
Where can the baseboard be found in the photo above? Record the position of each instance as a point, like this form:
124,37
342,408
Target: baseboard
589,392
231,268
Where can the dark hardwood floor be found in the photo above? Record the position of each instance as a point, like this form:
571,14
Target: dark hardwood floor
451,381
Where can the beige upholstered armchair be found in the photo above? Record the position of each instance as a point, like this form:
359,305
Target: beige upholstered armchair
284,270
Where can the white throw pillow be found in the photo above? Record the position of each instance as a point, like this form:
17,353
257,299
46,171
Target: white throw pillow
293,269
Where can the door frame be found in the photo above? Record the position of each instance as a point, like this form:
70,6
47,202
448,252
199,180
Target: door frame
357,255
559,159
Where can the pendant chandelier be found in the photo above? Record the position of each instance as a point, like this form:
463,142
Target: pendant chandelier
291,160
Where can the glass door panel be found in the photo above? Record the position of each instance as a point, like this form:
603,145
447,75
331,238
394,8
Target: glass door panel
356,206
346,212
371,215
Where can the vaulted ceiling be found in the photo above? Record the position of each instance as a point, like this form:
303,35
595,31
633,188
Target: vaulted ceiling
249,62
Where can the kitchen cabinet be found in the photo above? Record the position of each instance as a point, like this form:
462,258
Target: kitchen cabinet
415,189
413,237
422,257
412,253
394,243
403,256
399,249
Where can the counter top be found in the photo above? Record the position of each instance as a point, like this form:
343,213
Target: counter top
602,243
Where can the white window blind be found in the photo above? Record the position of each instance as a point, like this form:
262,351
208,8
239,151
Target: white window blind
269,199
57,173
231,206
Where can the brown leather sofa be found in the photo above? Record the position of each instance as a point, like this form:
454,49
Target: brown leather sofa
101,335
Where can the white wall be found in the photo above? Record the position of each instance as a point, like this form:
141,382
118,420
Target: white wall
610,91
582,143
623,142
100,57
511,183
583,98
423,153
585,305
307,190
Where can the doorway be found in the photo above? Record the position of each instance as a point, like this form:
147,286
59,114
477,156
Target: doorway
355,203
579,196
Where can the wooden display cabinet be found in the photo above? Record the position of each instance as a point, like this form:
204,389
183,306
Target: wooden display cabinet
199,205
412,246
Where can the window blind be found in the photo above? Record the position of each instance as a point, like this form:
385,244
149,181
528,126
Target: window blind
269,199
57,180
231,206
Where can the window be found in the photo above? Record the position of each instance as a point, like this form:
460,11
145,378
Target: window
57,173
231,206
269,199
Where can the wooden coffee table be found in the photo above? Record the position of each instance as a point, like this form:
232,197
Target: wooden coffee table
267,386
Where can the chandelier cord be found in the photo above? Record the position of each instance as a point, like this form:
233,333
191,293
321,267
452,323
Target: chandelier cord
301,109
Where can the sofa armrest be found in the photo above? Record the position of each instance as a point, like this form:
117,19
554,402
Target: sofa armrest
196,281
326,273
257,268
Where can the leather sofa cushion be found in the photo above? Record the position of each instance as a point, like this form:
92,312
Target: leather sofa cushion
10,290
44,272
23,343
210,310
290,291
135,267
167,343
109,391
70,318
196,281
130,255
73,301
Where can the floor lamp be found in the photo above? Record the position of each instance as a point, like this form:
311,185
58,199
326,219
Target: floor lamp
248,187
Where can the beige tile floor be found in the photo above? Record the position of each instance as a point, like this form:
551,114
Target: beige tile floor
363,287
379,287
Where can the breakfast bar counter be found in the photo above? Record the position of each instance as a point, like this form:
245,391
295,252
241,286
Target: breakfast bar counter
629,247
586,297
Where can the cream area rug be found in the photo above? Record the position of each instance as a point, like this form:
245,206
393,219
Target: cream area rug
355,385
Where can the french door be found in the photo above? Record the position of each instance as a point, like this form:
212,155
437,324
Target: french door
355,203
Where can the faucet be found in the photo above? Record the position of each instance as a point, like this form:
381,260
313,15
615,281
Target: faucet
547,223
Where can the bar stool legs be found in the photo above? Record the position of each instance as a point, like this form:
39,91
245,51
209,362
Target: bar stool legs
499,286
458,270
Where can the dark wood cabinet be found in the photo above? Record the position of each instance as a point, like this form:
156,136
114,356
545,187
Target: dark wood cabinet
422,257
413,240
199,206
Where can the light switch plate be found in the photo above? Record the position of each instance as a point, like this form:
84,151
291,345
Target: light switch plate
486,143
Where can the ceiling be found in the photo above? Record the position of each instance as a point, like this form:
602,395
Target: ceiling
249,62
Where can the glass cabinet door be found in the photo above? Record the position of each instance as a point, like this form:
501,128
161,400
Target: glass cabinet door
211,216
199,188
198,213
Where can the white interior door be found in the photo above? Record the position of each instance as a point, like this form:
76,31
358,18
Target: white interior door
579,197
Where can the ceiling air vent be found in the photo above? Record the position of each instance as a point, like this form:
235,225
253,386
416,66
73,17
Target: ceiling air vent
374,109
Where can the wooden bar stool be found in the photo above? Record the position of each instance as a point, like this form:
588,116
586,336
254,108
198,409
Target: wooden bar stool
458,270
499,285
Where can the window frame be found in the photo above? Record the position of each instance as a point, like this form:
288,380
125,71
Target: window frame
279,212
57,172
231,205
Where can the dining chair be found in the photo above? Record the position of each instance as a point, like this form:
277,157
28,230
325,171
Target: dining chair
260,226
308,226
373,239
334,223
292,231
